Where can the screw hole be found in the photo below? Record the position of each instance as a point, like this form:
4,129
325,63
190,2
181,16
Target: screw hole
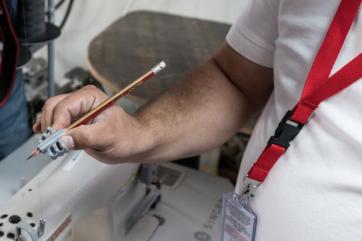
11,235
30,215
33,225
4,216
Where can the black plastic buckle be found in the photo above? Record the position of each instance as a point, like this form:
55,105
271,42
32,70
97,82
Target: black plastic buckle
286,131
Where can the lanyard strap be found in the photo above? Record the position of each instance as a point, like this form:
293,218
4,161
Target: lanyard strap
318,87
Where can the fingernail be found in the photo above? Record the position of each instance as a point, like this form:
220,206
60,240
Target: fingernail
68,142
55,127
36,126
37,122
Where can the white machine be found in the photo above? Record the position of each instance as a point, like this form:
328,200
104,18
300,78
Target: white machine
77,198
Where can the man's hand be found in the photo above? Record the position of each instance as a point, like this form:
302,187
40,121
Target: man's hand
112,137
198,114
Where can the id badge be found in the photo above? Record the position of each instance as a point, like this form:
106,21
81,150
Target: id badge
238,219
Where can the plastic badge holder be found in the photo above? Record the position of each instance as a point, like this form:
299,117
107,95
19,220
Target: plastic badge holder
238,219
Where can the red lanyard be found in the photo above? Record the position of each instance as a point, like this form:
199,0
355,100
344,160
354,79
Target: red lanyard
319,86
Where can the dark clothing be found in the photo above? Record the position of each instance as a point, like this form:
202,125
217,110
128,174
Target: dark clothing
14,127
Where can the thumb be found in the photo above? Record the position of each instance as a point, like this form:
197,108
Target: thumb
81,137
68,141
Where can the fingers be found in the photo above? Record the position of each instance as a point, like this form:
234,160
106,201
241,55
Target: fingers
87,137
114,137
37,126
76,105
47,113
60,111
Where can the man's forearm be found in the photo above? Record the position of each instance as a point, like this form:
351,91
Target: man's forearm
196,115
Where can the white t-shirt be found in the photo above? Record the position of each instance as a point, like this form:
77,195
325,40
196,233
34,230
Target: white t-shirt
314,192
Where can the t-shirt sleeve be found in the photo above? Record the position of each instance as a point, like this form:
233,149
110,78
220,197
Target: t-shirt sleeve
254,34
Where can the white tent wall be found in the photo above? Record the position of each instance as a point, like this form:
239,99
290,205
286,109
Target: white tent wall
89,17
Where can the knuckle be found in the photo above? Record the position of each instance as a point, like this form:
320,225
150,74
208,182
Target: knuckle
51,102
47,105
95,91
58,108
59,122
90,87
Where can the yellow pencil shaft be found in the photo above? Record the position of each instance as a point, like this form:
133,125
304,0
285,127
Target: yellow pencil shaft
109,102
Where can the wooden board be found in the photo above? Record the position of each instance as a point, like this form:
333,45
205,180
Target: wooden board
136,42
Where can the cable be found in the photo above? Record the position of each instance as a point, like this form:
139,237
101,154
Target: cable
59,4
67,13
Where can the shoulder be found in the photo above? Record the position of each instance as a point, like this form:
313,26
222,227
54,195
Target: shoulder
254,33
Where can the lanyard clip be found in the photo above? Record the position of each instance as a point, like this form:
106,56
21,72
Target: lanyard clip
286,131
249,187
